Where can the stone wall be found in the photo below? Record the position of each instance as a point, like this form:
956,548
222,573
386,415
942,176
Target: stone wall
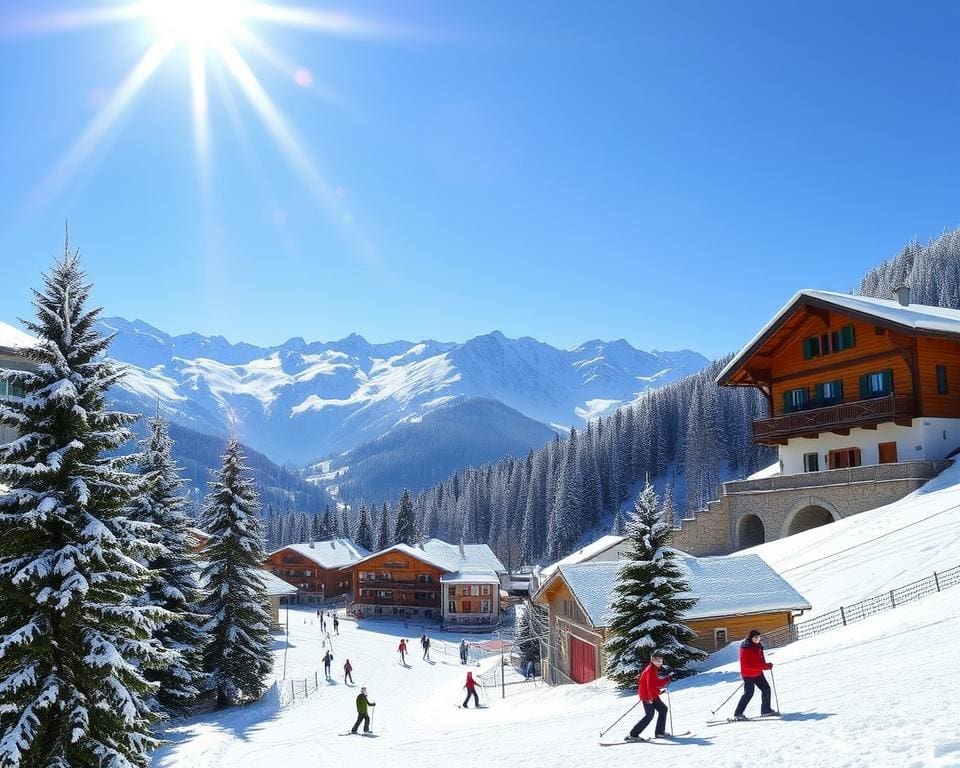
776,501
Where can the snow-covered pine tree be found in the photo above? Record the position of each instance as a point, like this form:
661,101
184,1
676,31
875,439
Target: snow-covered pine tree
406,529
364,529
73,641
383,534
648,603
237,656
173,581
566,516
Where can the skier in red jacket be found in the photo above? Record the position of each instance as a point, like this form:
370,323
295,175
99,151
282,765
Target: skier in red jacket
752,665
648,687
471,687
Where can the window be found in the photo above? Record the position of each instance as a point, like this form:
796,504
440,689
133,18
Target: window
829,392
367,576
465,591
383,575
941,379
9,389
452,606
451,591
811,347
888,452
876,384
485,590
795,400
484,606
844,458
719,638
425,596
811,462
474,589
843,339
385,593
425,578
828,343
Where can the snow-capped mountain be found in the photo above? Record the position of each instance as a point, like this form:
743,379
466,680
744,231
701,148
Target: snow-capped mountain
300,401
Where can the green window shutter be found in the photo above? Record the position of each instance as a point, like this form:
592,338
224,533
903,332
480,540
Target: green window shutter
835,345
888,381
787,403
818,393
807,349
865,386
838,387
848,336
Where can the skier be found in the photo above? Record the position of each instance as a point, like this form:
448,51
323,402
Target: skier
362,717
323,623
648,687
402,650
752,665
463,651
336,625
327,658
347,669
425,642
471,687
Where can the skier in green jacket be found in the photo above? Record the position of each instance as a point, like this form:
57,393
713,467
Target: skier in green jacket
362,713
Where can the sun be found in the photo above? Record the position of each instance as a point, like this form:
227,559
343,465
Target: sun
203,23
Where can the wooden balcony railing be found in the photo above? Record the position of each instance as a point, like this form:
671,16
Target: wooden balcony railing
859,413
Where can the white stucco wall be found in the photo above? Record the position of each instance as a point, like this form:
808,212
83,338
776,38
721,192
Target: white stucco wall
929,438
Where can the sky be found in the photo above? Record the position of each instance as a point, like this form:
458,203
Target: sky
667,173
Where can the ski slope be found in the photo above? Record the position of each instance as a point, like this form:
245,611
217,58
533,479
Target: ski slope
881,693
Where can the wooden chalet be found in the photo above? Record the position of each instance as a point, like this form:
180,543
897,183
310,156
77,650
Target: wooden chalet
14,345
734,595
316,568
852,380
457,585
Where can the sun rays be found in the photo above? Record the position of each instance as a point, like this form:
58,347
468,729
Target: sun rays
209,33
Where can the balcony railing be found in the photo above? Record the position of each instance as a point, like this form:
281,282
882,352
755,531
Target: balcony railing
420,586
859,413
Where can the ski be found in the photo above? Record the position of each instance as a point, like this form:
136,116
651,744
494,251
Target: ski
641,740
757,719
669,736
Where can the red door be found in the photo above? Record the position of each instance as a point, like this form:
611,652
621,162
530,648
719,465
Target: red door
583,661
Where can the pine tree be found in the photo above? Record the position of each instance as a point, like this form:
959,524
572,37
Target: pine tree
383,536
364,529
566,517
237,657
73,641
647,603
406,529
173,583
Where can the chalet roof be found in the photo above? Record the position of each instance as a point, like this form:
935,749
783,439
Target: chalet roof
447,557
276,587
470,577
915,318
725,586
583,554
333,553
13,340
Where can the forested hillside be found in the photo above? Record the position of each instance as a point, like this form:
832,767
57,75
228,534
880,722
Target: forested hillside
932,271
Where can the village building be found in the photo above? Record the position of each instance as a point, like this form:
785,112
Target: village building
606,548
13,348
734,595
316,569
458,585
277,590
863,406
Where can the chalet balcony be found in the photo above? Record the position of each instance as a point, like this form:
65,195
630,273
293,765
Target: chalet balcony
835,418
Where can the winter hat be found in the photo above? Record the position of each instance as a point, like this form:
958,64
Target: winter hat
363,689
753,633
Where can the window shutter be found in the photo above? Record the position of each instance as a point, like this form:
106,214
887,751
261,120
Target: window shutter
865,386
818,393
807,349
786,402
888,381
838,386
848,336
835,344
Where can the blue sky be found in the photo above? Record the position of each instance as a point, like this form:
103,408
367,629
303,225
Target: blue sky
668,173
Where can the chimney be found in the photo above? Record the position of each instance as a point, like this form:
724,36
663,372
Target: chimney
903,295
311,545
461,547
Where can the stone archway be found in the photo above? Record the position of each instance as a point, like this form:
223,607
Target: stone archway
809,513
750,531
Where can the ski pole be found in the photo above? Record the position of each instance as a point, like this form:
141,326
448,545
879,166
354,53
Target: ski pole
714,711
621,717
670,710
775,697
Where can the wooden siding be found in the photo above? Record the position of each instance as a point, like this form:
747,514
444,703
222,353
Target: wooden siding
872,352
931,353
311,579
737,627
395,574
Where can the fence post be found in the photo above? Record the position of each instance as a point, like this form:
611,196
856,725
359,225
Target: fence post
936,580
292,694
843,616
893,602
316,678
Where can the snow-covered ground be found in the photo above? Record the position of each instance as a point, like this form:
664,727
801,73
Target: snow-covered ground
882,693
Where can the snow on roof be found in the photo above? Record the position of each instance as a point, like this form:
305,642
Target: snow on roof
582,555
470,577
724,586
916,317
14,339
447,557
276,587
333,553
772,471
